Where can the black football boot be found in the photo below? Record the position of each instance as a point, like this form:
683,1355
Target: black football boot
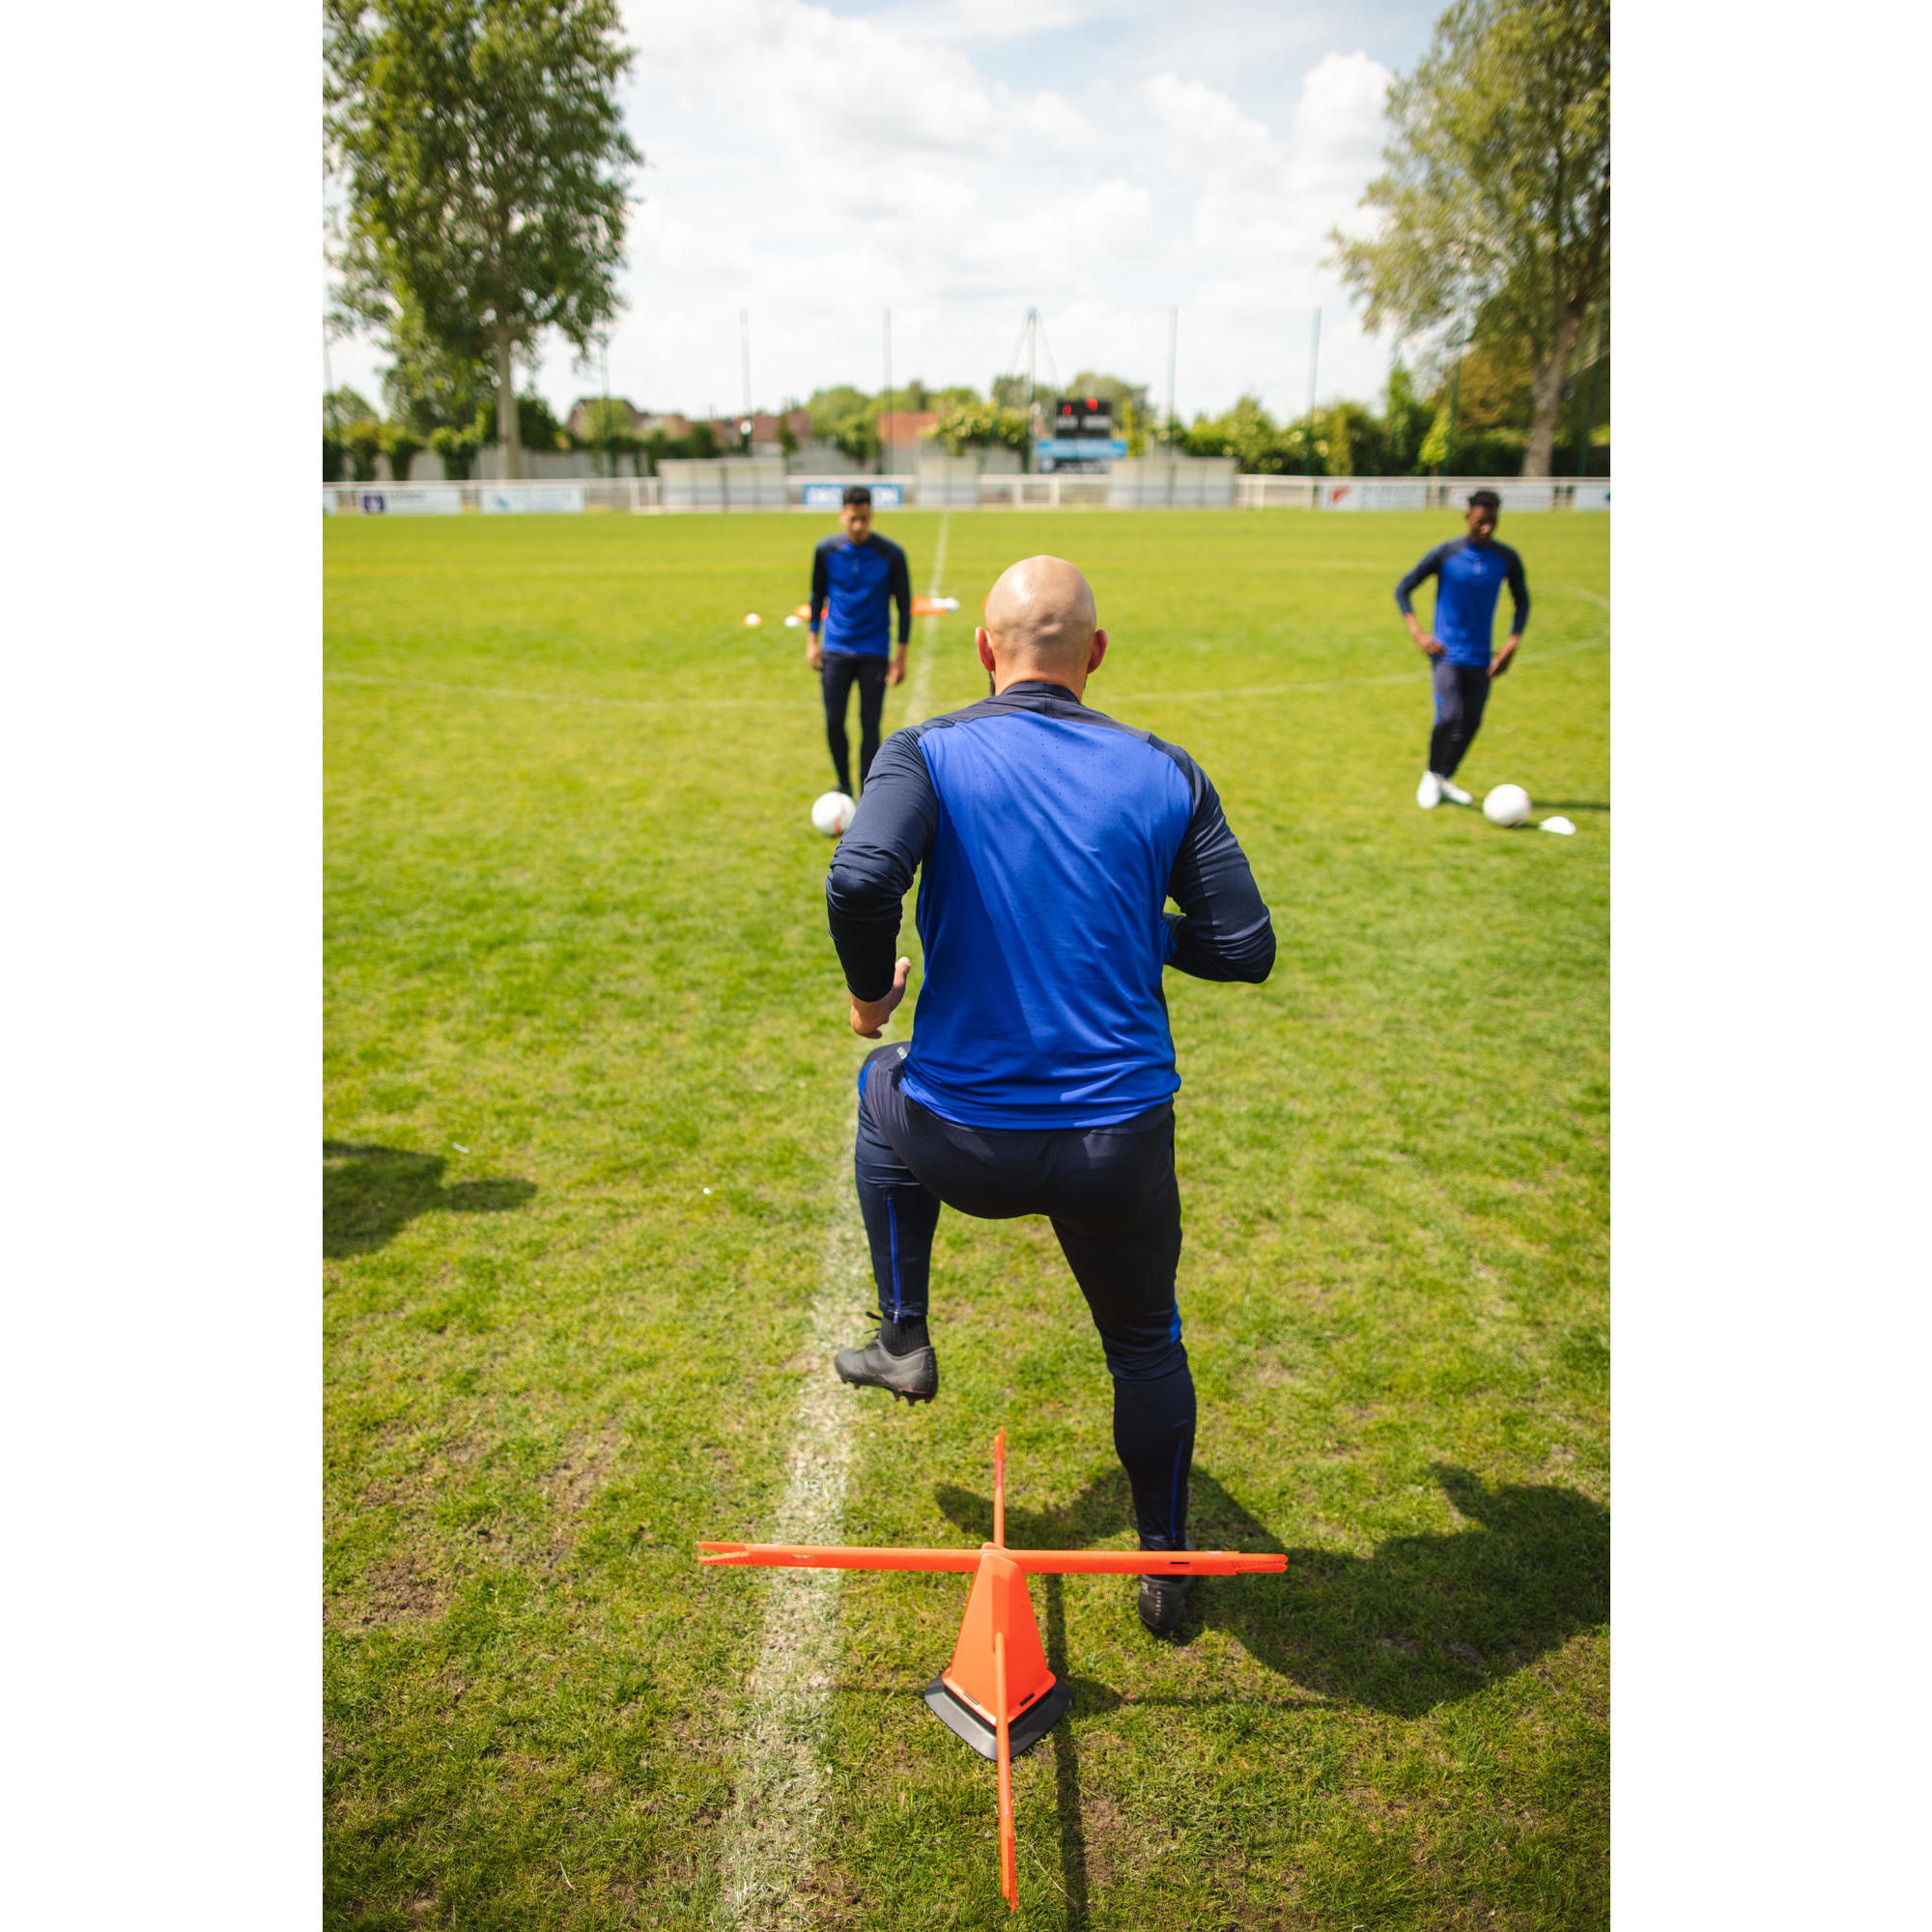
910,1374
1163,1599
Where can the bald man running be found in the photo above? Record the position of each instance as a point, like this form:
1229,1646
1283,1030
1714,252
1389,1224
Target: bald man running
1039,1078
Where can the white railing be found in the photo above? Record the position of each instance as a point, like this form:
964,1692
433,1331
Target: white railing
648,496
1419,493
1041,493
450,499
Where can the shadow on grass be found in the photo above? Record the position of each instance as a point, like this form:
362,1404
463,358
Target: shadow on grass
1573,805
1424,1621
369,1194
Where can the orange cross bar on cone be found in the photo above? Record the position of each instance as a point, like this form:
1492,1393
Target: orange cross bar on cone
997,1694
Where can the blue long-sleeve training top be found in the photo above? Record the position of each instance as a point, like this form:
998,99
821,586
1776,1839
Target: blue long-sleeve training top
860,582
1047,839
1469,577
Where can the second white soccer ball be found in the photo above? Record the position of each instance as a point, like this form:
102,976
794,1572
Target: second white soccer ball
832,814
1507,804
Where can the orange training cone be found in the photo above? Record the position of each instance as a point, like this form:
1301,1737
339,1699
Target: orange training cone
997,1694
975,1698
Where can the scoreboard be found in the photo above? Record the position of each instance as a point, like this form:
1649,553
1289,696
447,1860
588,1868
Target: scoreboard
1083,439
1082,415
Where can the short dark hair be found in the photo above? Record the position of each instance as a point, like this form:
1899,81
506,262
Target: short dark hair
1479,499
857,493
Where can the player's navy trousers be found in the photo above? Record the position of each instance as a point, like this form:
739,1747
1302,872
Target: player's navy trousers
842,669
1461,693
1111,1195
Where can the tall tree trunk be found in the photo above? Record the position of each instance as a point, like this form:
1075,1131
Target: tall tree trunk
507,440
1546,394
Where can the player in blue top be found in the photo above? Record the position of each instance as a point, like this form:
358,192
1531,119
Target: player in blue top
1470,575
855,579
1039,1078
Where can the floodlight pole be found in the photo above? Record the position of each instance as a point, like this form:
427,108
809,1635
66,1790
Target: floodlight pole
329,392
1314,354
745,352
1174,331
603,358
468,409
886,441
1455,390
1033,365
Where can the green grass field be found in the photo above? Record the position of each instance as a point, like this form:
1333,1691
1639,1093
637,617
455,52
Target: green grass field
587,1085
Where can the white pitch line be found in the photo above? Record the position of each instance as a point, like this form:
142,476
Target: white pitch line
1329,683
920,684
775,1813
517,693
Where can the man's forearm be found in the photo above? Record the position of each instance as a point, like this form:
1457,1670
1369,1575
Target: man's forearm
865,949
873,867
1223,930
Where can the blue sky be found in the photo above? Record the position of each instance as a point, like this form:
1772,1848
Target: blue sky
959,160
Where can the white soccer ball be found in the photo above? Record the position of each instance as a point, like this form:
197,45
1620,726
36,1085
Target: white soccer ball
832,812
1507,804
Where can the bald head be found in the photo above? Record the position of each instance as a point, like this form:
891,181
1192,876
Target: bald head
1041,624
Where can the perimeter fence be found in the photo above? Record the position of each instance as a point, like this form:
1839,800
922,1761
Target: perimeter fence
740,484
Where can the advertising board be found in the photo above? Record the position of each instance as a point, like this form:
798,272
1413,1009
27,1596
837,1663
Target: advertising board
831,496
1527,495
389,501
1354,496
531,500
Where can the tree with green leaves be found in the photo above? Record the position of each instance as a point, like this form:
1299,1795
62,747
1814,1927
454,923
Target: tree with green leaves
976,425
1246,431
485,163
430,389
1497,198
848,418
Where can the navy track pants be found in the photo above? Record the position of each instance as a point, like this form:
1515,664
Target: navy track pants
1111,1195
1461,693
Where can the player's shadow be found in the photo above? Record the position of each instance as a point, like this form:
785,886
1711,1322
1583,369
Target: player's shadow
369,1194
1423,1621
1573,805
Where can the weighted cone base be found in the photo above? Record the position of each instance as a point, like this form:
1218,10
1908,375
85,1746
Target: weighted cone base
966,1724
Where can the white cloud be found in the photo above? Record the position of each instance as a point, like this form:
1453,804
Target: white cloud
798,72
982,21
816,167
1262,195
1340,126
